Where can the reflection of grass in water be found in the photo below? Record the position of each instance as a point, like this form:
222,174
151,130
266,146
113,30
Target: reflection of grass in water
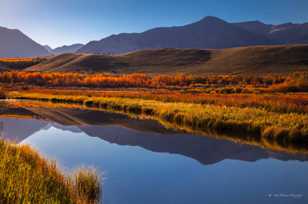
25,177
282,129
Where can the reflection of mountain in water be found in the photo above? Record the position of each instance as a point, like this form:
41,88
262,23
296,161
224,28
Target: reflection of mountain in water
79,117
203,149
19,129
120,129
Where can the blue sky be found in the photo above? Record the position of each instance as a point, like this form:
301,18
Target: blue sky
59,22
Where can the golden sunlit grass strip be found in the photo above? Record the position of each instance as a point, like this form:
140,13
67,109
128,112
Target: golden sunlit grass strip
25,177
282,103
283,128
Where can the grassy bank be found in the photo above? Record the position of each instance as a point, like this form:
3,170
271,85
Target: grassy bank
283,128
25,177
280,103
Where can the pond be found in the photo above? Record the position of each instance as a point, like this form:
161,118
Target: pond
142,162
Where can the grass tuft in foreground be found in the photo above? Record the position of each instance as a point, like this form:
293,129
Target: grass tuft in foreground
86,182
25,177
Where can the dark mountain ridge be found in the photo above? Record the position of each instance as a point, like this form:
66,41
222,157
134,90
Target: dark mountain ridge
14,43
208,33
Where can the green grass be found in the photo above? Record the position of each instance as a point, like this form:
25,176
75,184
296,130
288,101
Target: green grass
284,128
25,177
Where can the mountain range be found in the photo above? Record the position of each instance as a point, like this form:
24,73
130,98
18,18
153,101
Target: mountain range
208,33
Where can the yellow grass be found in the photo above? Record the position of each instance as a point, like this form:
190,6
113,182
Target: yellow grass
25,177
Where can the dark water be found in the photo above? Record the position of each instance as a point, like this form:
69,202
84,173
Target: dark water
144,163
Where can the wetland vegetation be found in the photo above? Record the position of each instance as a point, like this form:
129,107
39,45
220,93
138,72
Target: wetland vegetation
267,109
26,177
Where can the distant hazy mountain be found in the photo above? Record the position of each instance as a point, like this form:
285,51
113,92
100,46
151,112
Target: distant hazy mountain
255,27
287,33
210,32
67,49
14,43
49,49
64,49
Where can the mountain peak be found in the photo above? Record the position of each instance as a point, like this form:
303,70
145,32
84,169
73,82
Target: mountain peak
212,19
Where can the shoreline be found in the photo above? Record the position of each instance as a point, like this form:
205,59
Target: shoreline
193,118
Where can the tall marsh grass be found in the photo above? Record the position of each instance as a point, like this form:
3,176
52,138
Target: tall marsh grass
25,177
258,122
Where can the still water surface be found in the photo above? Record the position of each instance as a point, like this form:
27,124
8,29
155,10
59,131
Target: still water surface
144,163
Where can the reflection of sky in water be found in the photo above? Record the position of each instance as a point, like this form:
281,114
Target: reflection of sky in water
136,175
